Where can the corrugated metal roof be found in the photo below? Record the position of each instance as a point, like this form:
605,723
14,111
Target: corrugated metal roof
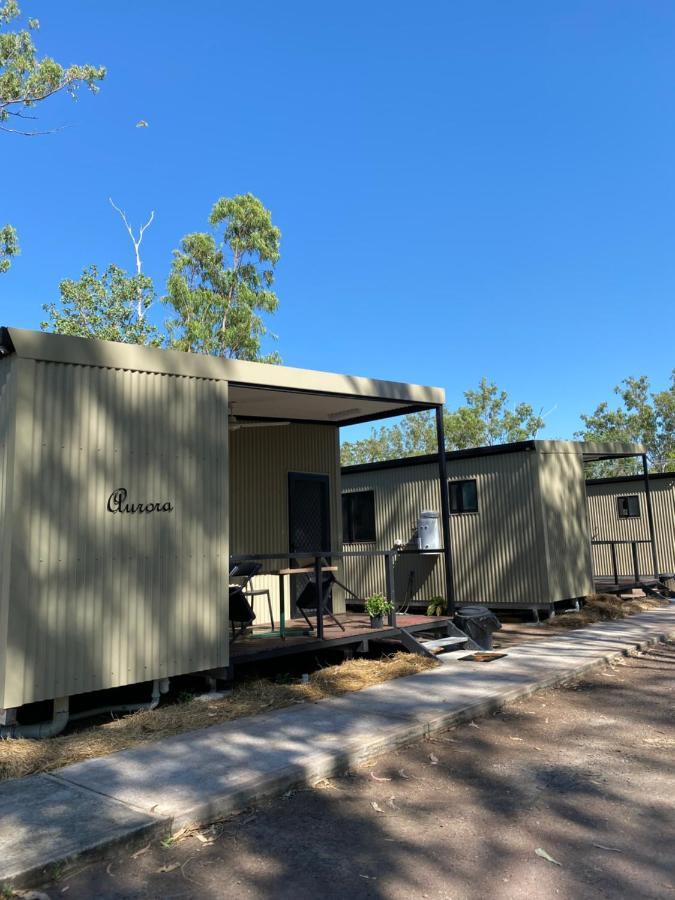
584,448
344,399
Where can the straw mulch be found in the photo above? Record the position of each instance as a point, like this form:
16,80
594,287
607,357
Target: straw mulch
20,756
602,607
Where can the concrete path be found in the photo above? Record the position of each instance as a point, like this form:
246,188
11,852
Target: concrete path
129,797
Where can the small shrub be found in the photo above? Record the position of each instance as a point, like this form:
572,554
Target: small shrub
437,606
378,605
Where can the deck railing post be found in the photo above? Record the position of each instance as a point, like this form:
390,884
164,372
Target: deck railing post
319,597
390,588
445,511
615,568
636,563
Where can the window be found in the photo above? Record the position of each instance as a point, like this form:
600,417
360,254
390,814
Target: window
463,496
629,507
358,517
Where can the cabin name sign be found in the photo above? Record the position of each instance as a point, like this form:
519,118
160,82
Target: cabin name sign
117,503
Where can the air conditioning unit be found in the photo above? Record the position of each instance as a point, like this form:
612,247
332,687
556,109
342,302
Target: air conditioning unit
429,530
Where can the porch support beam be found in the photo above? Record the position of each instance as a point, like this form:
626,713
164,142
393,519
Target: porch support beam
445,511
650,516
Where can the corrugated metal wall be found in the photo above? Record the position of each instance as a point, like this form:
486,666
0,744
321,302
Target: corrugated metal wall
7,432
606,525
499,552
568,552
260,461
101,599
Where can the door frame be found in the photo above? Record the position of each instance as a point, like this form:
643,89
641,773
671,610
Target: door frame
324,479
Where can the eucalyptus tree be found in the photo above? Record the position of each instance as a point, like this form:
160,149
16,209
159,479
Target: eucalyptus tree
26,80
219,289
486,418
642,416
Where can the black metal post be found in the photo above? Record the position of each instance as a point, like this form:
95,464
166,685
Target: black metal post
650,516
319,597
445,511
390,588
636,561
615,568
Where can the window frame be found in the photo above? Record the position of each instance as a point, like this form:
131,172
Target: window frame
348,517
459,482
627,498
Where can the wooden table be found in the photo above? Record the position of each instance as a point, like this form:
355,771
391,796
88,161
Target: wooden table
306,570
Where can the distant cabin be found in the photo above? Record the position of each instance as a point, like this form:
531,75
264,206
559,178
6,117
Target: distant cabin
519,530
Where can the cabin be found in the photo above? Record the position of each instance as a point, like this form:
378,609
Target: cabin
519,530
620,528
133,479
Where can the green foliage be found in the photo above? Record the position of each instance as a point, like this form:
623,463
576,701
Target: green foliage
26,79
437,606
643,417
378,605
104,306
217,291
9,246
485,419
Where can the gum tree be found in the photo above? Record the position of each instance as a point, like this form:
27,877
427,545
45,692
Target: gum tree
27,80
219,289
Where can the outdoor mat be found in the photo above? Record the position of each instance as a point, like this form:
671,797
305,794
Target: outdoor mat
482,657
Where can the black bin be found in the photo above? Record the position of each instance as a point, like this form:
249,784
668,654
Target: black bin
478,622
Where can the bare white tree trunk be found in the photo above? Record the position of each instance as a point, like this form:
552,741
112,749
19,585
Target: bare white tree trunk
136,241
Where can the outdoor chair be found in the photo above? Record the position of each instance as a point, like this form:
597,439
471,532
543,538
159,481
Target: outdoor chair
241,611
308,600
245,572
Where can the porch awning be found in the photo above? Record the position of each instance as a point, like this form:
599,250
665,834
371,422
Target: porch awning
256,390
595,452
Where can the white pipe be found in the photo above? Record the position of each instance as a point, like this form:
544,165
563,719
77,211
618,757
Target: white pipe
39,730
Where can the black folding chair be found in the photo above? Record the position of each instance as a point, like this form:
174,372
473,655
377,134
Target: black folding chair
245,572
308,600
241,611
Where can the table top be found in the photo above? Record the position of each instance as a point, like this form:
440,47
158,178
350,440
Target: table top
306,571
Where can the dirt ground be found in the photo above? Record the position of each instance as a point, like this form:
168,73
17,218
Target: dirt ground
584,773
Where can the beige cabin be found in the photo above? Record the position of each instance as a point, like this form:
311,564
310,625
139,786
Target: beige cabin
128,478
518,522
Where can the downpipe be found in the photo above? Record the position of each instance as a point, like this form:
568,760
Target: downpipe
159,686
62,716
40,730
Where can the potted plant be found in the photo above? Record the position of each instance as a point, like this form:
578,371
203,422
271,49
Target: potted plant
436,606
377,606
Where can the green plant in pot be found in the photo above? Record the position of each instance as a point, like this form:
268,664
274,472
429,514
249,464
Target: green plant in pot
436,606
377,606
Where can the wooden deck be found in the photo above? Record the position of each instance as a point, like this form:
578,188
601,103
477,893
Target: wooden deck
357,632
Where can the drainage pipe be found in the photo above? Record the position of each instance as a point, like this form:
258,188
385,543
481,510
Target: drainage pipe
157,689
39,730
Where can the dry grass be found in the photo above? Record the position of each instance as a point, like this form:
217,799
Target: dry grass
602,607
26,757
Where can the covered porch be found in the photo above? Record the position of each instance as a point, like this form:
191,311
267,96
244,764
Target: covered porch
285,503
622,563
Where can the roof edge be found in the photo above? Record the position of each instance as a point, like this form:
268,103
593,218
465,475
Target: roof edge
632,479
59,348
538,446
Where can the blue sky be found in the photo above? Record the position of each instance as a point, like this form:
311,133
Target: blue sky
464,189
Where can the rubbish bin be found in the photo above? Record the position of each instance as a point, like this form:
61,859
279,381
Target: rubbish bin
478,622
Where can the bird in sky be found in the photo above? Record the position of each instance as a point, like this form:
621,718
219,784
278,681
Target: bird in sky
141,124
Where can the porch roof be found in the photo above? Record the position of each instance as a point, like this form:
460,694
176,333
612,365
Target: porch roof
256,390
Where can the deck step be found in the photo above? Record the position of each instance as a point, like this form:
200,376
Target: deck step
453,641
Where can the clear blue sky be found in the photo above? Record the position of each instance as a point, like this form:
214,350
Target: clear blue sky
464,189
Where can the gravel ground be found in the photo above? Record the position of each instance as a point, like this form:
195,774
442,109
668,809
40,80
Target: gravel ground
584,773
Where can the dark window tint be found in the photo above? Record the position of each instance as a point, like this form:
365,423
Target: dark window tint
629,507
358,517
463,496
